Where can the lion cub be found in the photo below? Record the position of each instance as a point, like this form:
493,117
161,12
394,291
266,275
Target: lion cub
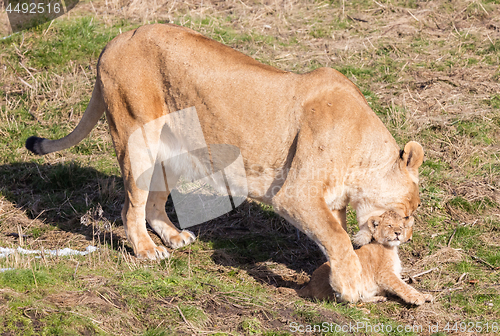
380,262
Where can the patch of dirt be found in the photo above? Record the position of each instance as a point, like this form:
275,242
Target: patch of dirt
441,256
491,239
71,299
93,281
12,218
56,239
278,274
229,309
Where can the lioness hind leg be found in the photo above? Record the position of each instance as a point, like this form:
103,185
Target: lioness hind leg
159,221
134,209
133,216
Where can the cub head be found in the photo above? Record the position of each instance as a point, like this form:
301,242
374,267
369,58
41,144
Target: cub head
391,229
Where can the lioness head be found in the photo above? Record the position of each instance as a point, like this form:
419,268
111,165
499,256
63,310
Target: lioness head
394,189
391,229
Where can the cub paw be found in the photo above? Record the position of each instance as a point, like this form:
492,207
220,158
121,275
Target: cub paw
428,297
417,299
375,299
152,253
184,238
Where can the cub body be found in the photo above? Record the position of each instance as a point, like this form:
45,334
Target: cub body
381,266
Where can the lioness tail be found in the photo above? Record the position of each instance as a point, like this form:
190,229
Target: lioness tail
93,113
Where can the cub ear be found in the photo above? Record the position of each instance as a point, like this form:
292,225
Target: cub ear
412,156
409,223
373,223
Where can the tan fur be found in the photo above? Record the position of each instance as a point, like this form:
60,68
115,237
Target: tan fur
366,233
310,143
380,262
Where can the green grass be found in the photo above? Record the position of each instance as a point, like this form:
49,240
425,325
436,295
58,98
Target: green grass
81,41
25,279
193,314
185,287
362,74
251,326
494,101
474,207
477,131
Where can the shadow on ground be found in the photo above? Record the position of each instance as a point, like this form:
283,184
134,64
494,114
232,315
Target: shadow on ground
46,202
58,204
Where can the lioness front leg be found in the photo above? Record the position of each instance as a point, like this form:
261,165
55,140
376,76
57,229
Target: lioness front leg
341,217
159,221
312,216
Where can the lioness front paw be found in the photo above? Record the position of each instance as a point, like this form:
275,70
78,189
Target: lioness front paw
152,253
361,238
350,293
184,238
346,279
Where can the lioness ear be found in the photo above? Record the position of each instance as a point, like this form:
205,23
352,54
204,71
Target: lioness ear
413,156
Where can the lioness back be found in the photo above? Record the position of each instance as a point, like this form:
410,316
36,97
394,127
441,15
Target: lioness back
161,69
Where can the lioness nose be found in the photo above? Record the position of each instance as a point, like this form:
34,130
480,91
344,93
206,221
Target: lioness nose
397,233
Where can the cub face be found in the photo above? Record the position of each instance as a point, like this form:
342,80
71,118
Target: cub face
391,229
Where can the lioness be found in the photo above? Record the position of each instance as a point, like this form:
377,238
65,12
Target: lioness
310,143
380,262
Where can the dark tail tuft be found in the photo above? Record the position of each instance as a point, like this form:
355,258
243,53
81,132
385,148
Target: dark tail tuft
34,145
